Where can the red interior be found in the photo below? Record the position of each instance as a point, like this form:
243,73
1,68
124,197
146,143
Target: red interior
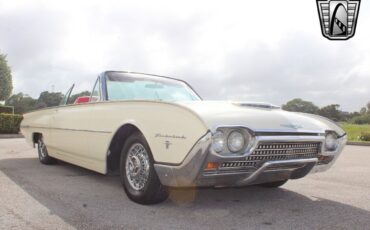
84,99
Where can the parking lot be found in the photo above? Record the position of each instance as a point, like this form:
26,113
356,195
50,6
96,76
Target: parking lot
63,196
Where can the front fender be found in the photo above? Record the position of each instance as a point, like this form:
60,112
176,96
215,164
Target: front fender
171,130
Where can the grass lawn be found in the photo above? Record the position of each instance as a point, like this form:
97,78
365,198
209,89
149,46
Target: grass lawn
354,131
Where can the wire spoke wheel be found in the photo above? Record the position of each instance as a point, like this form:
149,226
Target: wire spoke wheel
42,148
43,153
137,166
138,176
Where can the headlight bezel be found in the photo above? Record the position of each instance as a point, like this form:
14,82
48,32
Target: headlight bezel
248,139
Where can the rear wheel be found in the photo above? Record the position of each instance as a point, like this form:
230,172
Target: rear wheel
43,153
274,184
138,175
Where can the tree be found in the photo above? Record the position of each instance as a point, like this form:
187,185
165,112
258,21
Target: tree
6,84
299,105
363,110
331,111
22,103
47,99
368,107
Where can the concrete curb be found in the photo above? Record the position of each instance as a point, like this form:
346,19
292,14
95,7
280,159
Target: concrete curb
358,143
11,136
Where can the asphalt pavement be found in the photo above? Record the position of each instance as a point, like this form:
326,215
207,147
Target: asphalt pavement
64,196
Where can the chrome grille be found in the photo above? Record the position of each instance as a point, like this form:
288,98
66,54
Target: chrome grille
268,151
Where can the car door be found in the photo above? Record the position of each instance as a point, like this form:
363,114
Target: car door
68,126
99,136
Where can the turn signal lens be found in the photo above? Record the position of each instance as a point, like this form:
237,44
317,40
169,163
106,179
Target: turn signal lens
211,166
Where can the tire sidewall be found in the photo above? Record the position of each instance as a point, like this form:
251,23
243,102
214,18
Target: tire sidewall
47,160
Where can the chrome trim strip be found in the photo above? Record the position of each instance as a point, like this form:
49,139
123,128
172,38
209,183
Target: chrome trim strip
255,131
297,131
65,129
286,134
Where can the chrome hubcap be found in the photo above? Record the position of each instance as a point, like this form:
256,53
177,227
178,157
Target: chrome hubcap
42,148
137,166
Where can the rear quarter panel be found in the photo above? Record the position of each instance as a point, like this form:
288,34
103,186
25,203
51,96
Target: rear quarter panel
37,122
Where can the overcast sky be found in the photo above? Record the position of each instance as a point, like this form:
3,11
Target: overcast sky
267,50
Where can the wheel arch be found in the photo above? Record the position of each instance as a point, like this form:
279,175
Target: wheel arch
36,137
115,147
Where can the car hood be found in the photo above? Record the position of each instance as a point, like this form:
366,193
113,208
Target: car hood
258,117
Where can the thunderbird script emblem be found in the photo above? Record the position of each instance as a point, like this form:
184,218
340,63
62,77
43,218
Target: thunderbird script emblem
338,18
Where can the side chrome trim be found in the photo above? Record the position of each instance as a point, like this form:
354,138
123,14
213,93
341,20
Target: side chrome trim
65,129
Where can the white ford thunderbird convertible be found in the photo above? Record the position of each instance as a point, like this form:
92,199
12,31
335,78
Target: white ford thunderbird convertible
158,133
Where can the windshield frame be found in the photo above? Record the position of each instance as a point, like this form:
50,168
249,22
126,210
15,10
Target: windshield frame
104,79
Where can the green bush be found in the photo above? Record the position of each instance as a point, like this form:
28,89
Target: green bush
6,109
365,136
10,123
362,119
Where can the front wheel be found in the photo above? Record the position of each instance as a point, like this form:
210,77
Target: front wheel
43,153
138,176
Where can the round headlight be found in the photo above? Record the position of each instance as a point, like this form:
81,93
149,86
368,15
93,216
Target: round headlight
235,141
331,142
218,142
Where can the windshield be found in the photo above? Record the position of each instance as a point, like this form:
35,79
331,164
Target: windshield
124,86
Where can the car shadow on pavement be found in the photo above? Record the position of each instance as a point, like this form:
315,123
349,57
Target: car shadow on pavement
85,200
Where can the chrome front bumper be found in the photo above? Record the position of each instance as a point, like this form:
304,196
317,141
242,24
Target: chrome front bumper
191,173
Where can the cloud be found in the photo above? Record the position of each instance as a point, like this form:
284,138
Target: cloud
248,50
